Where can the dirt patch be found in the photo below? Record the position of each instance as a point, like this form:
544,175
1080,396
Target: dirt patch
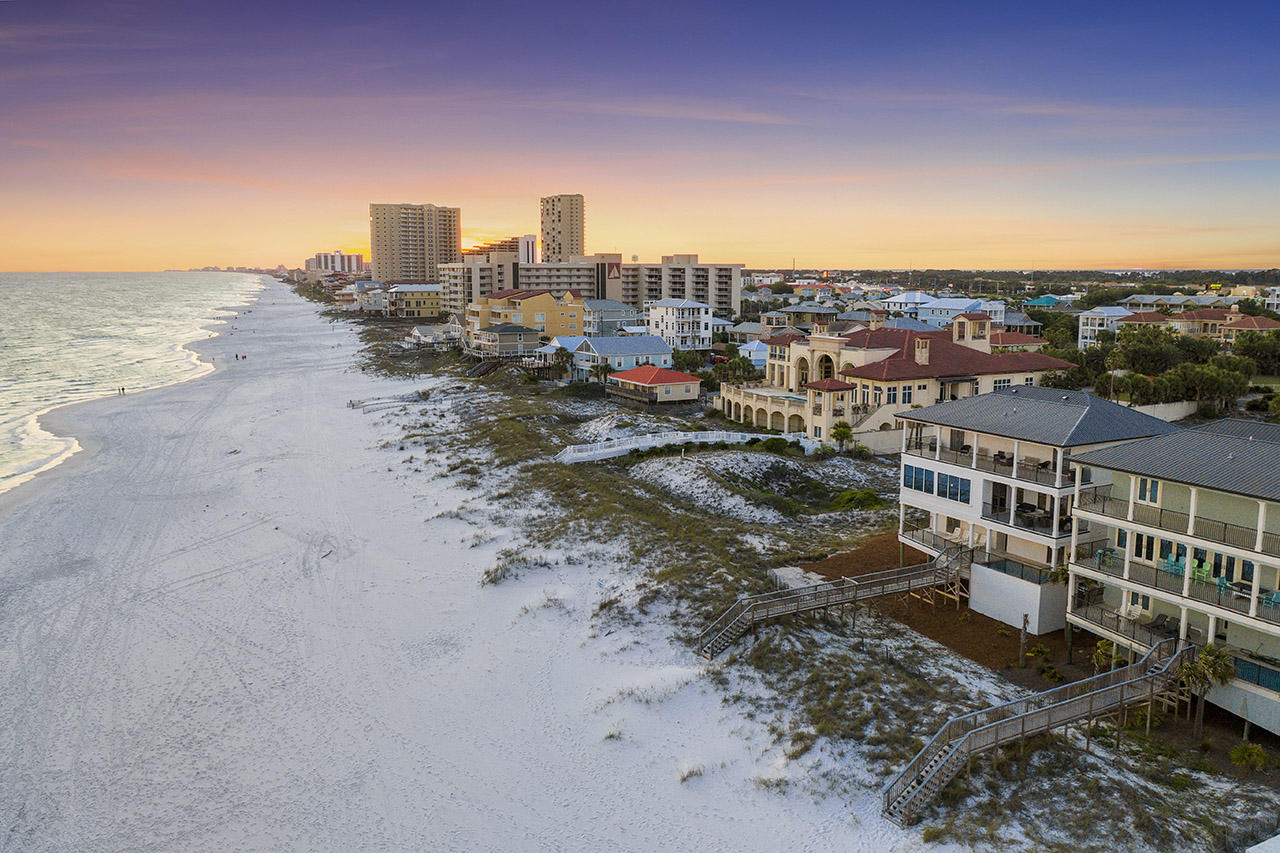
875,554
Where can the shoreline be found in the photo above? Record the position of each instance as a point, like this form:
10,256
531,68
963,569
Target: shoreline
60,419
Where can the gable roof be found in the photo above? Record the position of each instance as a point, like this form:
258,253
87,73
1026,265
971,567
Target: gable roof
1017,318
1145,317
1046,299
1101,311
1203,314
627,345
953,303
829,385
1232,455
1044,415
649,375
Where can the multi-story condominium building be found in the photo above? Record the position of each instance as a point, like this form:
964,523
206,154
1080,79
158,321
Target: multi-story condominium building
477,276
682,323
604,317
602,276
675,277
336,261
563,228
993,473
868,378
545,312
415,300
1184,541
410,241
1100,319
524,247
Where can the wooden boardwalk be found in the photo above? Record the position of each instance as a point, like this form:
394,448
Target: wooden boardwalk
955,744
943,571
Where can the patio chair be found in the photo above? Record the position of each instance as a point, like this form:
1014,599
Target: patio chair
1272,600
1224,588
1200,572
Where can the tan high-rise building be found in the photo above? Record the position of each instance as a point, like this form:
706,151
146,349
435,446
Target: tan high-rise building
563,228
410,241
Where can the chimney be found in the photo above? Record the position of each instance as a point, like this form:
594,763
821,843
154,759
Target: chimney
922,350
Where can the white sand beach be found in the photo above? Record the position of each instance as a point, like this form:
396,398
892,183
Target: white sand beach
227,624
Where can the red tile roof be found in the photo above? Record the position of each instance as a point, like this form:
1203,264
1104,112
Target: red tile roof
1247,322
946,358
1206,314
1145,317
647,374
976,315
829,385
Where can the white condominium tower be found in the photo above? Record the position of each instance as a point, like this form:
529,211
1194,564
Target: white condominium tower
563,227
409,241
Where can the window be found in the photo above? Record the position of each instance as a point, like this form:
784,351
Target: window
891,395
540,317
906,393
1122,538
1001,383
1144,547
1144,601
817,432
1030,380
1148,490
953,488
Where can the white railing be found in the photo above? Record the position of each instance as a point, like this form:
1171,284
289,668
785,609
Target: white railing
620,446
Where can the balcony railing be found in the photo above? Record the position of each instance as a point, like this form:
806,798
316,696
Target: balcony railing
1033,471
1170,578
630,393
1132,629
1099,500
1037,521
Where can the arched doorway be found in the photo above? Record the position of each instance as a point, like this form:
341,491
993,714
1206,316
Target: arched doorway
802,372
795,423
825,368
777,421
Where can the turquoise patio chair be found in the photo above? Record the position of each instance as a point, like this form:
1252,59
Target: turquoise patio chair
1224,588
1272,600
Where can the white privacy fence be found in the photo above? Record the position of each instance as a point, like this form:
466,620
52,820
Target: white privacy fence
620,446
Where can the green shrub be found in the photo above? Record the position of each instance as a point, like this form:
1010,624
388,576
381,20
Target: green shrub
1249,757
858,499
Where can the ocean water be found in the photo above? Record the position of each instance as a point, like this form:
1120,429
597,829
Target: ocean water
67,337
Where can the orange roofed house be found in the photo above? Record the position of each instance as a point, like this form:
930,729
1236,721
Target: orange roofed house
867,378
650,384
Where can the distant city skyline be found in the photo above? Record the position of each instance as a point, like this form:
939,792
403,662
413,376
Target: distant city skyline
995,136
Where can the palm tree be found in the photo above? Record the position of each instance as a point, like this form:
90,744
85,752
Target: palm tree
563,359
841,432
1105,657
1210,666
601,370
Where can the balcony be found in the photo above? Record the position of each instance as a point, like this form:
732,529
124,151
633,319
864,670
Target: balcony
637,394
1169,577
1027,517
1098,500
1031,470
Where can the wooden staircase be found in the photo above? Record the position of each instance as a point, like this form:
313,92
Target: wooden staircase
943,570
982,731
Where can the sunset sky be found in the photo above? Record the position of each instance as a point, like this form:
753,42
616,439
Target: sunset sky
140,135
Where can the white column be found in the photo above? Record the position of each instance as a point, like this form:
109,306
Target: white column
1017,455
1059,465
1075,537
1133,487
906,428
902,516
1128,552
975,454
1186,575
937,450
1213,629
1071,592
1182,623
1253,595
1262,527
1191,516
1057,514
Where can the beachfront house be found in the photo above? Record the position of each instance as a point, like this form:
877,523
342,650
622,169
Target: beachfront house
620,353
1103,318
683,323
993,473
505,340
604,317
415,300
654,385
888,371
1179,536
